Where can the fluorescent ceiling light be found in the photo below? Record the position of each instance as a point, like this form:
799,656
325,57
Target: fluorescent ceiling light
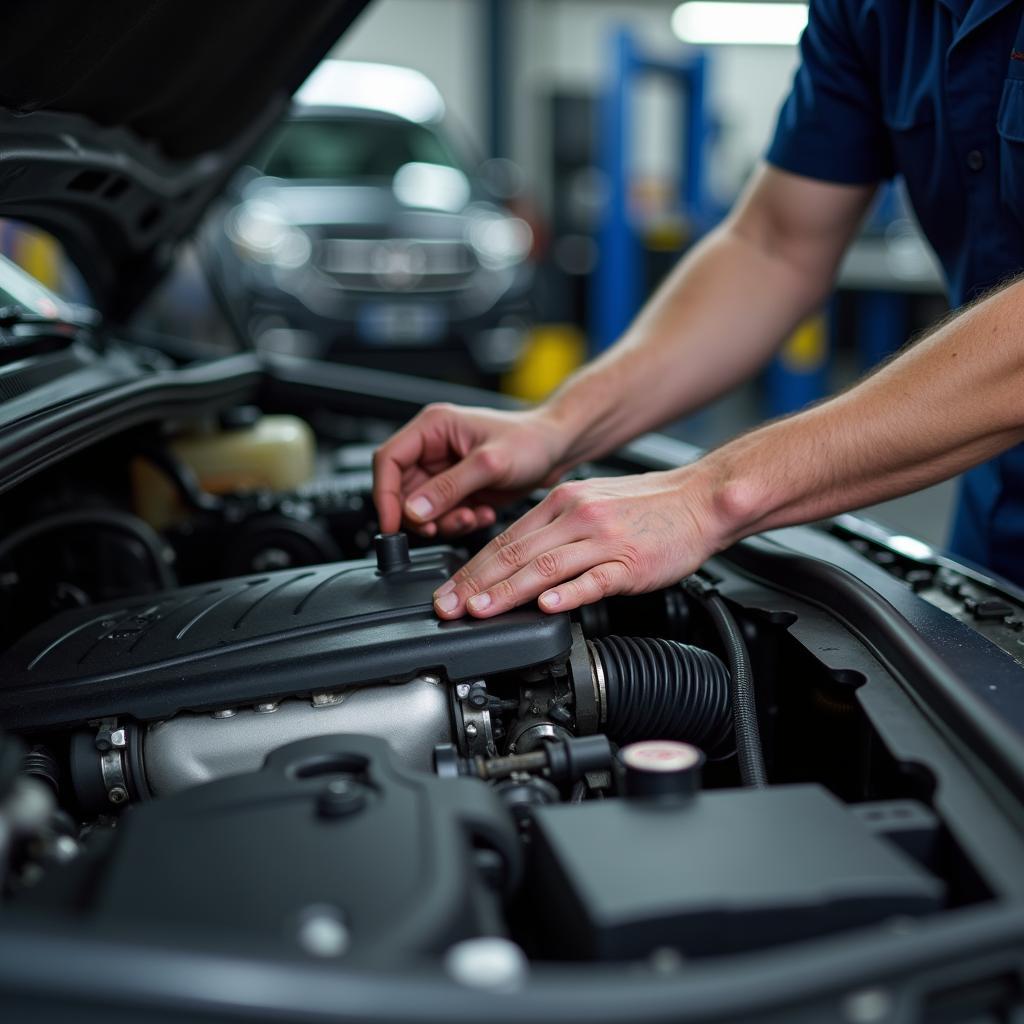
731,22
395,90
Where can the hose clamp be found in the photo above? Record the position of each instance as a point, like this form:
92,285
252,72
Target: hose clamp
584,684
114,779
600,686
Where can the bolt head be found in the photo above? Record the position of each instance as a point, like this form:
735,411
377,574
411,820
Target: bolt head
64,849
462,691
492,963
666,960
471,729
117,794
118,738
323,933
868,1006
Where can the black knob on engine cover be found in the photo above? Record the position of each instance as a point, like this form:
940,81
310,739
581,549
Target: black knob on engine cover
661,770
392,552
341,799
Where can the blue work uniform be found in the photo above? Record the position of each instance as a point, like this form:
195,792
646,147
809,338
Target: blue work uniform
932,90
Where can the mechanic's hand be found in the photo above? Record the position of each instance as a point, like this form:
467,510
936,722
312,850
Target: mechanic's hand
449,467
587,540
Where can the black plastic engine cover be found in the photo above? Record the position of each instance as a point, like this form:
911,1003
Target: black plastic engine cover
332,829
259,637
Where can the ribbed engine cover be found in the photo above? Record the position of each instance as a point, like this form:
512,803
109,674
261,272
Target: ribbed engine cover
260,637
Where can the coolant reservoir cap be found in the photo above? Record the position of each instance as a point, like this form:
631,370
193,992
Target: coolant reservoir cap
661,768
392,552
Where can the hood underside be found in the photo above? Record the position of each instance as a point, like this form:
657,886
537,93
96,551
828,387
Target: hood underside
121,119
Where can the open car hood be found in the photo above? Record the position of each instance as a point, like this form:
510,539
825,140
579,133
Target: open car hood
120,120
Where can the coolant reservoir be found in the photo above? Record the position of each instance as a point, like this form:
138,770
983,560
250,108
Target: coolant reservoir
275,453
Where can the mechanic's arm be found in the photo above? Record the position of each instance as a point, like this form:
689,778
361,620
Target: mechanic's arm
948,403
714,322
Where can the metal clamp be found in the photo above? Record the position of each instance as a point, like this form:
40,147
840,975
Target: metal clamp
600,686
476,721
588,691
114,779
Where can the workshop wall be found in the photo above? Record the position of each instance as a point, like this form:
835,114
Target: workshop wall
564,45
441,38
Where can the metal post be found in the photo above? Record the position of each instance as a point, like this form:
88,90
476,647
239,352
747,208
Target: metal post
698,129
617,284
497,26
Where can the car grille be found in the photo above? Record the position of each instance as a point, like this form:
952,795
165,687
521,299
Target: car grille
402,265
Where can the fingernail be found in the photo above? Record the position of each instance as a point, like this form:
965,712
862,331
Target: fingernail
480,603
551,600
445,588
420,508
447,603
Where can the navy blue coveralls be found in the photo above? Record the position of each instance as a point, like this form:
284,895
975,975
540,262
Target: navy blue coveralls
932,90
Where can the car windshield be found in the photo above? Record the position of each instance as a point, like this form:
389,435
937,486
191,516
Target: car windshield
345,149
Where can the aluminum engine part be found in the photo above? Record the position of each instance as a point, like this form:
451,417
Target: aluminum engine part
194,748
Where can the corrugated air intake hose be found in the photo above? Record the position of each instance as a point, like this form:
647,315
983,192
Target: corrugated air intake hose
662,689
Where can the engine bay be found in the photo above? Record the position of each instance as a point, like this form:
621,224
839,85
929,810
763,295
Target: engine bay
234,711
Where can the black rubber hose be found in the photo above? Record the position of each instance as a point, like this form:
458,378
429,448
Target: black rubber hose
744,703
662,689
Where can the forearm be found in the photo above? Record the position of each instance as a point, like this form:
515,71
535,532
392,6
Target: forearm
713,323
948,403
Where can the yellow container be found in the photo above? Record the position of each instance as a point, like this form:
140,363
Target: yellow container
276,453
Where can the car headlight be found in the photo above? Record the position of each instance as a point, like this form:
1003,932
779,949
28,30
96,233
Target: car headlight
499,241
261,234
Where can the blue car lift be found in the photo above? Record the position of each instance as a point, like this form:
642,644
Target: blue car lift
617,289
799,374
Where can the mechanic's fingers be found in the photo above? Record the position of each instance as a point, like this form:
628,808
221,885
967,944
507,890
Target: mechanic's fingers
466,520
510,554
550,566
497,563
601,581
486,516
482,468
457,522
428,530
396,455
387,495
536,519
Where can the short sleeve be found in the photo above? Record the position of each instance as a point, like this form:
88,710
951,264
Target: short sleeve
831,126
